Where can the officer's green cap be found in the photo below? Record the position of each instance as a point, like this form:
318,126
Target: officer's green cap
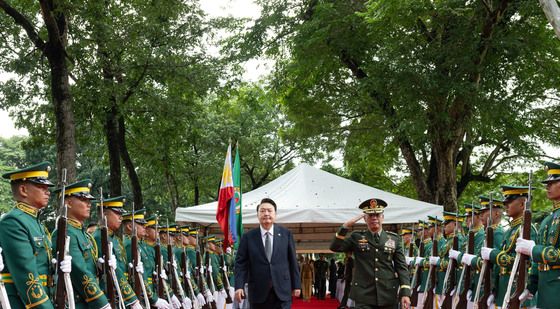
38,173
405,231
209,238
512,192
184,229
469,208
193,231
434,220
114,203
138,216
373,206
422,224
451,217
80,188
171,228
485,202
151,221
552,172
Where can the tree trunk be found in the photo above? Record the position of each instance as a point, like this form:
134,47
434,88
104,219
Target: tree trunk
552,12
111,134
129,165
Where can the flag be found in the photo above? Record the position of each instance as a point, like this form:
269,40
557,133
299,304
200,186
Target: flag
224,199
237,197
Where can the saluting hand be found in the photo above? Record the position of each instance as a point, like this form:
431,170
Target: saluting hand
353,221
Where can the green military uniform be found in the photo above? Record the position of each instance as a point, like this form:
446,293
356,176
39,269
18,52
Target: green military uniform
230,262
142,250
441,242
545,273
26,245
380,272
503,255
150,261
116,204
183,258
476,263
84,252
444,252
425,264
211,259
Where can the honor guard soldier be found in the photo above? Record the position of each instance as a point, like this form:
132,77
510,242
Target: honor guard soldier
503,256
424,261
113,210
213,259
27,273
545,251
381,274
87,292
144,255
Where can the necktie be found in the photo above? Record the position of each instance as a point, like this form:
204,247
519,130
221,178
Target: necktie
267,246
376,237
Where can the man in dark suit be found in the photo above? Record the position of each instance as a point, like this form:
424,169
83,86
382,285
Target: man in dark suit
266,260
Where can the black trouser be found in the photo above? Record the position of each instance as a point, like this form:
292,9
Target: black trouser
321,288
347,287
366,306
272,302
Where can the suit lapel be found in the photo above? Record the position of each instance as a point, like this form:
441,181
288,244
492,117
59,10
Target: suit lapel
258,239
276,240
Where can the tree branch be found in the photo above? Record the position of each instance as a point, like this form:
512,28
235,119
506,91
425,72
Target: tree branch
24,23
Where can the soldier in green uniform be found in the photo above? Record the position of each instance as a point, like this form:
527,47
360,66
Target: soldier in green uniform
214,267
424,261
381,274
434,260
203,294
167,235
497,212
87,292
113,209
27,273
545,251
144,255
503,256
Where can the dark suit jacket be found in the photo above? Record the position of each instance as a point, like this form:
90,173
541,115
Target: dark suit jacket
252,266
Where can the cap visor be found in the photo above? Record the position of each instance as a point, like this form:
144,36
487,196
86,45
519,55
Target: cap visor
41,181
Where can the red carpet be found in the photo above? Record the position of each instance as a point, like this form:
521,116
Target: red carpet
314,303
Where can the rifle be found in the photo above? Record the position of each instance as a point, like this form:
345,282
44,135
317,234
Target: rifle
415,283
64,291
138,278
187,278
450,273
106,254
460,299
428,301
210,279
200,273
229,300
156,278
521,260
175,282
480,302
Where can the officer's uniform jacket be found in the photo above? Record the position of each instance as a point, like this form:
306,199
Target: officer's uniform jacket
380,270
84,252
216,270
425,264
142,248
477,262
27,256
479,237
545,273
443,262
230,262
504,257
122,276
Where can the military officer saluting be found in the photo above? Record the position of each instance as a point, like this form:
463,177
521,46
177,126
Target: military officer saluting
87,293
545,252
27,272
381,274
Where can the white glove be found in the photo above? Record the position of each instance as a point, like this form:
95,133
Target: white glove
161,304
108,306
66,264
113,262
200,298
216,295
188,274
490,301
434,260
231,292
485,253
467,259
469,294
453,291
140,267
210,268
174,263
163,274
228,250
526,295
419,260
187,303
136,304
524,246
453,254
223,293
409,260
175,302
1,261
209,297
224,268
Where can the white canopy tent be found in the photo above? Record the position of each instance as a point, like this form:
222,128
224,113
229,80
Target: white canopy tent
314,202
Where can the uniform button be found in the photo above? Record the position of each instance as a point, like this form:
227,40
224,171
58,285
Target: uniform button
376,250
376,279
376,269
376,259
